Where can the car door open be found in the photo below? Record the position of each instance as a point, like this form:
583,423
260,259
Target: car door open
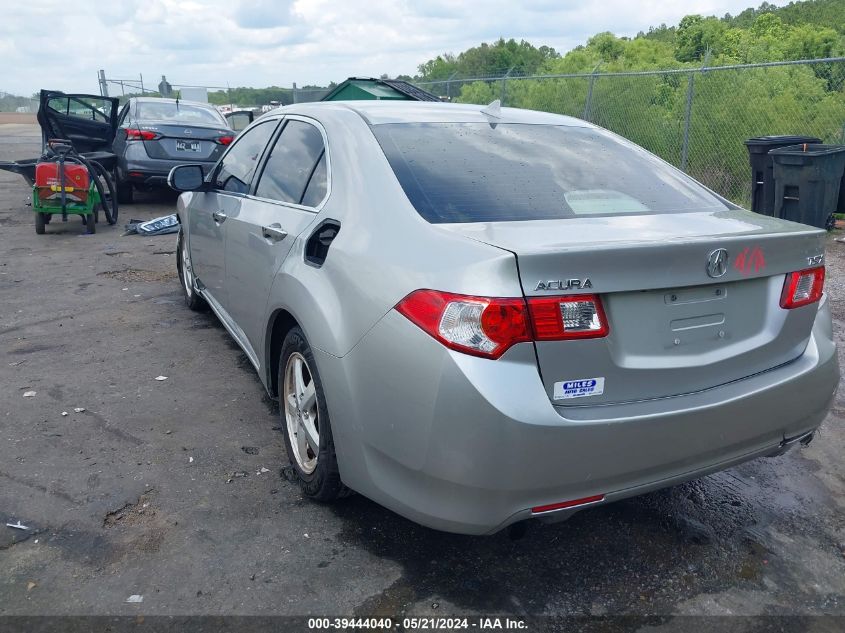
88,121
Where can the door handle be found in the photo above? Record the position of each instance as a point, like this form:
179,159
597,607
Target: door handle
219,217
274,232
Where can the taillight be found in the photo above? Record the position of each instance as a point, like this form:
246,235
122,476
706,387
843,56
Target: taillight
140,135
489,326
559,318
225,140
802,288
481,326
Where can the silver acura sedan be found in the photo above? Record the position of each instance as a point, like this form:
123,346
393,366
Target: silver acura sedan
475,316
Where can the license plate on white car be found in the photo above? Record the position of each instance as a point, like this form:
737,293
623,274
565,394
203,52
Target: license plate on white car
187,146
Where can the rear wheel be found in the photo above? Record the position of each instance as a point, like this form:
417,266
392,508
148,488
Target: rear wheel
186,275
40,223
305,417
90,223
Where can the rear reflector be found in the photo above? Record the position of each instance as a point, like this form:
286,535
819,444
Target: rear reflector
802,288
489,326
567,504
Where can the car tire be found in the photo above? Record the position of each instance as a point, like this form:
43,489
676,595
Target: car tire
316,471
125,192
186,278
40,223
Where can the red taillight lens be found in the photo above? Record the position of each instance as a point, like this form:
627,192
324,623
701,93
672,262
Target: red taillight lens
481,326
560,318
802,288
487,326
140,135
225,140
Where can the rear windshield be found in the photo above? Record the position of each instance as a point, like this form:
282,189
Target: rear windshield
478,172
179,113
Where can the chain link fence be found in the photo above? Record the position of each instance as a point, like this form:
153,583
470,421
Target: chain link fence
15,103
695,118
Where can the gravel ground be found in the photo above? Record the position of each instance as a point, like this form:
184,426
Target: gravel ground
156,488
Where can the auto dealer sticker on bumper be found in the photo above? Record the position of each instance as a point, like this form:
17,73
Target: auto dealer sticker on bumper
579,388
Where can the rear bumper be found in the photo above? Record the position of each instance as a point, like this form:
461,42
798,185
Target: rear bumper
137,167
469,445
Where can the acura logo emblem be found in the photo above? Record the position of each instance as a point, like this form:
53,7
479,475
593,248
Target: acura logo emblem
717,262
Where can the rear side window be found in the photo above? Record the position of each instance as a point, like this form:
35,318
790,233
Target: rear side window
238,165
317,187
292,166
478,172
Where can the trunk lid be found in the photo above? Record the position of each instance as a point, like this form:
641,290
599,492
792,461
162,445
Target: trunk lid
674,329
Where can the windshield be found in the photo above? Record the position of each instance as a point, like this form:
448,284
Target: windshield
179,113
479,172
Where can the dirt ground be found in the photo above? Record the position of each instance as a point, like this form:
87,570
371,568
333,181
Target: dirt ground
17,117
158,488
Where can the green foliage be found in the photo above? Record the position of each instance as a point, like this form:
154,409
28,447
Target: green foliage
488,60
728,106
696,36
10,103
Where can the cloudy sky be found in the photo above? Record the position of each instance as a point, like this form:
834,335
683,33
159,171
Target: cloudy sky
277,42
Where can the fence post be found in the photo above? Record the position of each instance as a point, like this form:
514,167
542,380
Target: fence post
449,86
589,102
104,86
687,117
504,87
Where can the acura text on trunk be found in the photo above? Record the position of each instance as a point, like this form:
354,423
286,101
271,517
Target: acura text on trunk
477,316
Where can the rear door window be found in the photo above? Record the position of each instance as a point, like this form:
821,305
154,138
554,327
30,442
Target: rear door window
90,109
293,164
237,167
480,172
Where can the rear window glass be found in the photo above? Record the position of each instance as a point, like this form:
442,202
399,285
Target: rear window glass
179,113
478,172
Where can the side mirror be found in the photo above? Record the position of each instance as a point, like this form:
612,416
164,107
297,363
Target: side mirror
186,178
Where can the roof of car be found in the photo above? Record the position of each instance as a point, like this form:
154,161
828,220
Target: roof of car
381,112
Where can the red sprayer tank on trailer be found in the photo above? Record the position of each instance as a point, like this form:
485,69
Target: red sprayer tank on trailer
48,182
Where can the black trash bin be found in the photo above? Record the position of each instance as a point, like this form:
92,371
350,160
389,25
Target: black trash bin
762,179
807,180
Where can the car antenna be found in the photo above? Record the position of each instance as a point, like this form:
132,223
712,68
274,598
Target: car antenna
493,109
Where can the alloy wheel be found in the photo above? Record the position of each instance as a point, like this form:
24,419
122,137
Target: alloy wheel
299,395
